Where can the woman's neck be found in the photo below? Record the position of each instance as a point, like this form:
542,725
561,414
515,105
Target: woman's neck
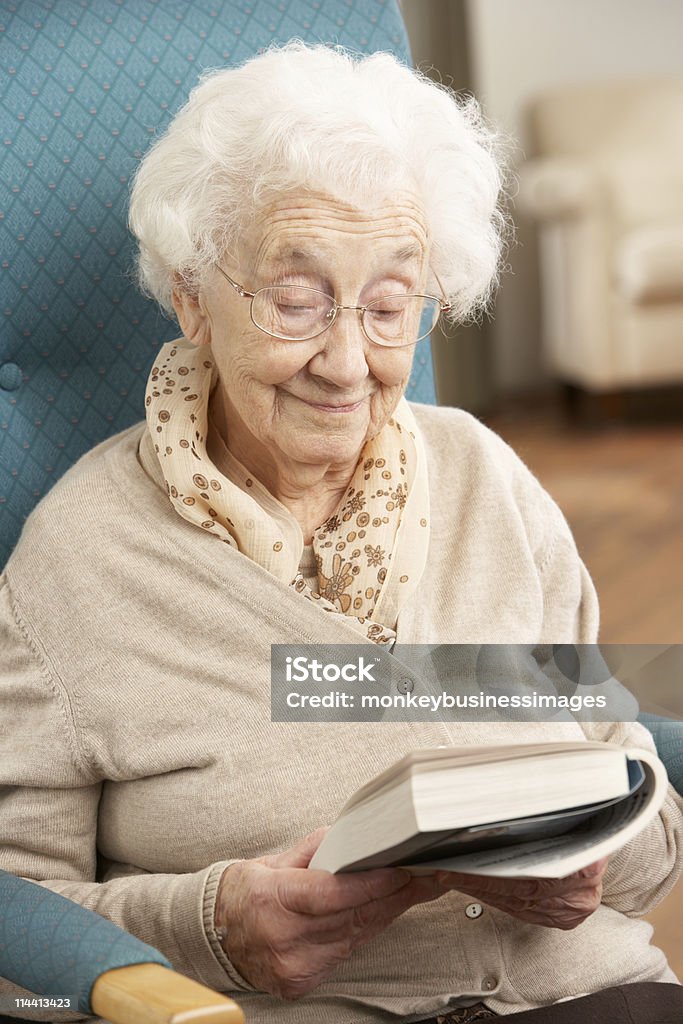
311,492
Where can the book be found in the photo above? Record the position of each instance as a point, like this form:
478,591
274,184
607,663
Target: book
514,811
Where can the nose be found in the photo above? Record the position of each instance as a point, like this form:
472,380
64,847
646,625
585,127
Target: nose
342,358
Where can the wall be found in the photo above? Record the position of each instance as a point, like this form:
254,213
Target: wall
519,47
462,356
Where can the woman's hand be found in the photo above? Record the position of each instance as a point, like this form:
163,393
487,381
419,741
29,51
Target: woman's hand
552,902
286,928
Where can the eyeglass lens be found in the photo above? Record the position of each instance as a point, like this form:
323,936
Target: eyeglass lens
297,313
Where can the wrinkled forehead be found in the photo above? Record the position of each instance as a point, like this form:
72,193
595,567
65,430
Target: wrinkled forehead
311,230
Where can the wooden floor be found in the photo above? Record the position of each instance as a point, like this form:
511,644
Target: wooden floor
621,488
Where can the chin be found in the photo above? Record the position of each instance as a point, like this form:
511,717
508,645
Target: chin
322,449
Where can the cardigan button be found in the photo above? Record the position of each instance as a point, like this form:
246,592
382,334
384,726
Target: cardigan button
10,376
405,686
489,983
473,910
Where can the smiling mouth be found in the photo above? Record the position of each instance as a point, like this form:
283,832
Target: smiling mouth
333,407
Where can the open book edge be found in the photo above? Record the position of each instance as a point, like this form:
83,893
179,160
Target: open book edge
582,841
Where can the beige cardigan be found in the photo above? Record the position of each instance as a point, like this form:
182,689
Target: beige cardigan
134,702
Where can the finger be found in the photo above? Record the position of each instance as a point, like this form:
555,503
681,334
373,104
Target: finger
298,856
594,870
371,919
582,900
491,889
568,913
320,893
368,918
485,886
552,911
564,921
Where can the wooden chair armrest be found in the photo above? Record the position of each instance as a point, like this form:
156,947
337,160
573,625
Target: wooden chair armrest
152,994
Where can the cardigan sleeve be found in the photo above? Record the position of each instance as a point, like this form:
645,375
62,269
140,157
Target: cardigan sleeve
644,871
570,603
49,799
571,611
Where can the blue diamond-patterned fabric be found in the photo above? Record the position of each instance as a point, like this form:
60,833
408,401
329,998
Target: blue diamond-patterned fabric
86,85
53,946
668,737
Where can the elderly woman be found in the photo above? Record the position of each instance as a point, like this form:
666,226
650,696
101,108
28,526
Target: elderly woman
308,217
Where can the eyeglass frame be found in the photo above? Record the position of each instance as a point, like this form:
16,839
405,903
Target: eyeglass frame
445,307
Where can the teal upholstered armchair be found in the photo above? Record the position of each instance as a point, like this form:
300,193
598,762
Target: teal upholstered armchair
53,947
668,735
86,84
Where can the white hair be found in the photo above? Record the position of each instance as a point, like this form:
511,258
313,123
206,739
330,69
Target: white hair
300,116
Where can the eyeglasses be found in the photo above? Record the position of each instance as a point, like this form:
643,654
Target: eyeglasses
294,313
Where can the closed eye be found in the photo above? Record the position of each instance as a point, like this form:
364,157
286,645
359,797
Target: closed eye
381,313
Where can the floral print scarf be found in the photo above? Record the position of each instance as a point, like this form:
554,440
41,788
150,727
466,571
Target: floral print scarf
370,553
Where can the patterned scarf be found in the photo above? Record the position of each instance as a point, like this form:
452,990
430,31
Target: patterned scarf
370,553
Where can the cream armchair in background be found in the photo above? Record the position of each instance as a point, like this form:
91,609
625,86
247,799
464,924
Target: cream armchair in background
606,187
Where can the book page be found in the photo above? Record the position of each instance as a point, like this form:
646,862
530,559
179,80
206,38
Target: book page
435,760
558,856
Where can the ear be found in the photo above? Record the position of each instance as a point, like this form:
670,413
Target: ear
191,314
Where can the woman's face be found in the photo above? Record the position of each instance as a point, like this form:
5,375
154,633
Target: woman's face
314,402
